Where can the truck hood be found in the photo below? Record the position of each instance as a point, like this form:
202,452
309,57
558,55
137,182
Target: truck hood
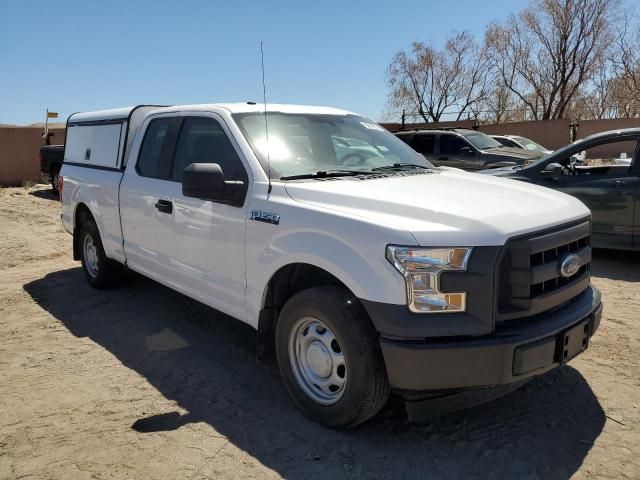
500,172
447,208
514,153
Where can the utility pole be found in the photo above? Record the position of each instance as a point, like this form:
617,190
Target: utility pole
47,137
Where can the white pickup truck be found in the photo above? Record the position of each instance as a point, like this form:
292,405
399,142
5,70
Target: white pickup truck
362,267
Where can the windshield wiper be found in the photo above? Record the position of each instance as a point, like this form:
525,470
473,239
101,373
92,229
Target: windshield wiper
327,173
397,166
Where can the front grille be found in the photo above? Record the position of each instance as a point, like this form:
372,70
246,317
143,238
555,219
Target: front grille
529,276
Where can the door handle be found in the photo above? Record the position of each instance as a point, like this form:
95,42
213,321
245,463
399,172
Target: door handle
443,158
164,206
619,183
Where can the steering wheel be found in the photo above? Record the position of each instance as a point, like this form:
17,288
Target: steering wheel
361,158
568,168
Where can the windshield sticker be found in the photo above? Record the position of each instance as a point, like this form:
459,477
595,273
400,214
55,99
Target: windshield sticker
372,126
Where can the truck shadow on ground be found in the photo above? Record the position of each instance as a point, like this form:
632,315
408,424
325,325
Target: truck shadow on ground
616,265
205,362
47,194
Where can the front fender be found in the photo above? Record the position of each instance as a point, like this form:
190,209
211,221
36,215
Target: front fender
365,272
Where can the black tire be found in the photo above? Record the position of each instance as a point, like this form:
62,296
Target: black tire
101,272
53,177
367,388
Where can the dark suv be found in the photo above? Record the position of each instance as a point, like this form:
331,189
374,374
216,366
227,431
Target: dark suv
466,149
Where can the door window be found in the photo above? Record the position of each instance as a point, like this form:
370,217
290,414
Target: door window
609,158
202,140
149,159
424,144
452,145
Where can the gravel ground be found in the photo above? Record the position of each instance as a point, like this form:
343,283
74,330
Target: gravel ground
143,383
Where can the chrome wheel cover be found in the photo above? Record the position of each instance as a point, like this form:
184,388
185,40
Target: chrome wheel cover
317,361
90,256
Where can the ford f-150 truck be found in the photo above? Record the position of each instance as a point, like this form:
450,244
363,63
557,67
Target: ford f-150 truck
363,268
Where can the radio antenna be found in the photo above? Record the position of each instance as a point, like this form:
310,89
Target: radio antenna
266,121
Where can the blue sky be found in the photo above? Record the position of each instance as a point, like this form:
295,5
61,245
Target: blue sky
85,55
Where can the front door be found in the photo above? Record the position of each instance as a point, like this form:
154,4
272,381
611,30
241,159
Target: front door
203,241
609,190
456,152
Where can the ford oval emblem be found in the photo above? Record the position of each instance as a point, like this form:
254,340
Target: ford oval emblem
570,265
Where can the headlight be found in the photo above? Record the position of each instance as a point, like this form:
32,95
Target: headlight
421,268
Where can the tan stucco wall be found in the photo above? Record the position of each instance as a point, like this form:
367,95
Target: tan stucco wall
19,146
551,134
19,153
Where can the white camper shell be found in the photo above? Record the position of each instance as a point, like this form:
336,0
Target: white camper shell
102,138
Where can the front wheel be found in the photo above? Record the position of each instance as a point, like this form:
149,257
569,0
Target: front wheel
329,357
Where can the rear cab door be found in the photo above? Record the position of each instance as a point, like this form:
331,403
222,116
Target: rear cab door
143,190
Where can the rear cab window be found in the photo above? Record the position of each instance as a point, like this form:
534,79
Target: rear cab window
424,143
152,159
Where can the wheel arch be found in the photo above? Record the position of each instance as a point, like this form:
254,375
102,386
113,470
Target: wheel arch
81,215
287,281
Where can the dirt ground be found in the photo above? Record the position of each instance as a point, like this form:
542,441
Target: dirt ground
143,383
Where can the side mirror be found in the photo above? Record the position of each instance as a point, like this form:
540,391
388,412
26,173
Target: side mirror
552,170
206,181
467,151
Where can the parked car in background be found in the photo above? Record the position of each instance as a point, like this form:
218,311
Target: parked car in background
607,180
465,149
51,157
517,141
363,268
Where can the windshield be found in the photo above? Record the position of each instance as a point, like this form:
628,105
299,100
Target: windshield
303,144
529,144
482,141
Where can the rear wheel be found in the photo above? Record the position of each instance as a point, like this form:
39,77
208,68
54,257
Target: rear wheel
100,271
53,177
329,357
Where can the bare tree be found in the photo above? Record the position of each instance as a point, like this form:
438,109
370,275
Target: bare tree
548,52
627,63
430,83
499,105
595,101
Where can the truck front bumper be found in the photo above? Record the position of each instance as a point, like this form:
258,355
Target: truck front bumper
514,352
